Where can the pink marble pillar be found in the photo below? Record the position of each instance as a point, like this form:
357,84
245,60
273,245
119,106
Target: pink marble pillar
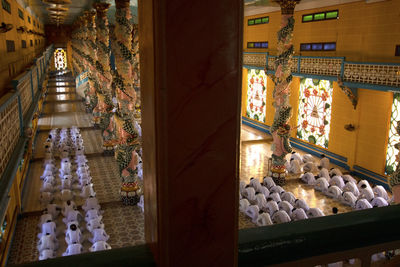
191,74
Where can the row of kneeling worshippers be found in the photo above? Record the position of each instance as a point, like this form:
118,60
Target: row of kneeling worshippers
269,203
305,163
344,188
73,176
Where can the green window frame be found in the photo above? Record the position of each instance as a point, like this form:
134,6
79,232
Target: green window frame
321,16
20,14
6,5
258,21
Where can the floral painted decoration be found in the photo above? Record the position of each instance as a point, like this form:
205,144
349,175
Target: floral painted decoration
256,95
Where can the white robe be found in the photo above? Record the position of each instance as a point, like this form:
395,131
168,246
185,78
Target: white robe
87,191
47,242
310,167
73,249
252,212
268,182
276,189
264,191
250,194
99,246
47,254
242,187
296,156
366,193
308,178
286,206
99,235
46,197
314,213
53,209
295,167
301,204
92,214
298,214
380,191
363,204
347,177
351,187
66,208
66,195
72,216
255,183
360,183
92,203
321,184
324,173
280,217
272,206
47,187
338,181
335,171
275,196
289,197
43,219
348,198
94,224
48,228
308,158
334,192
324,163
73,237
379,202
261,202
243,205
264,219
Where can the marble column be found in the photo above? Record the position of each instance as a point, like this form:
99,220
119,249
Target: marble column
128,130
104,77
280,128
191,75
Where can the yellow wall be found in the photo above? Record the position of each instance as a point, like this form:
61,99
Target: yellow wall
12,63
363,32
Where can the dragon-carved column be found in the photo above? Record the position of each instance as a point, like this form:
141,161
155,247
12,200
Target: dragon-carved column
136,69
104,77
280,128
128,130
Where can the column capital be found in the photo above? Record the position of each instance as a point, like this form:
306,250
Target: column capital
90,16
287,6
101,8
122,4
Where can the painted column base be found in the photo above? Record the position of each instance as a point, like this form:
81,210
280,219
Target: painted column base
278,174
130,193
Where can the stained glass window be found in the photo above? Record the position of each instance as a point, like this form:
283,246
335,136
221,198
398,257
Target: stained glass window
256,94
393,136
60,59
315,111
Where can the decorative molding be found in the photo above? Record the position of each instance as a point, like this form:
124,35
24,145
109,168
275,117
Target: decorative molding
370,176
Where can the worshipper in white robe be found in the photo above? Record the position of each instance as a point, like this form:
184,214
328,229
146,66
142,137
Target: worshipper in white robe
323,172
100,235
308,158
47,241
73,216
252,212
366,192
50,179
363,182
268,182
73,235
255,183
94,224
298,214
68,206
264,190
275,196
334,192
289,197
324,162
242,187
66,183
286,206
310,167
295,167
46,173
91,203
380,191
308,178
349,199
48,227
83,180
141,202
47,187
261,201
338,181
99,246
243,205
321,184
314,213
264,219
92,214
301,204
66,195
64,153
334,172
50,167
272,206
276,189
47,254
351,187
379,202
73,249
362,204
46,197
280,216
53,210
87,191
296,156
79,151
44,218
250,194
349,178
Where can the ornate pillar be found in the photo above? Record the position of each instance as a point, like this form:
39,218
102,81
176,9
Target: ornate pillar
136,69
128,131
104,78
394,179
280,129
